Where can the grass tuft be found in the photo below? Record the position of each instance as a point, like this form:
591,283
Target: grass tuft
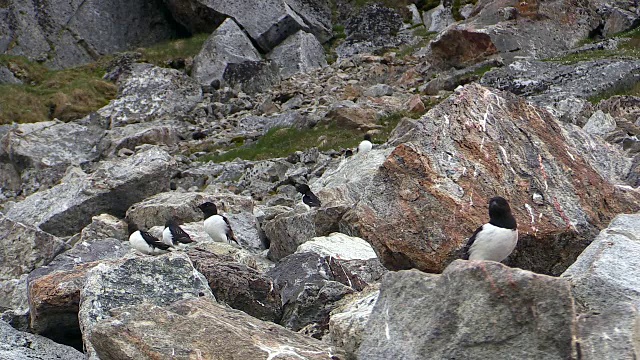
160,54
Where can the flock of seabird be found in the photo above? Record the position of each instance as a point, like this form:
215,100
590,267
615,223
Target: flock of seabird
494,240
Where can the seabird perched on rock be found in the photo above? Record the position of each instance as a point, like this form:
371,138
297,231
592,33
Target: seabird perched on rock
173,235
216,226
145,242
308,197
496,239
365,145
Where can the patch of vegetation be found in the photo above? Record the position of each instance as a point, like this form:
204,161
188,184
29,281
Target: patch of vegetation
160,54
629,89
628,47
46,94
280,142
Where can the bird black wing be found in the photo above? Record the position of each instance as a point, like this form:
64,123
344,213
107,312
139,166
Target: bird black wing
230,235
472,239
311,199
154,241
180,235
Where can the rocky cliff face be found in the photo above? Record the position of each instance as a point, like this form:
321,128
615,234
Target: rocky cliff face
464,101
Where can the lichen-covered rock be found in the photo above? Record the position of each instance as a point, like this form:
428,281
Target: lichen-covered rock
24,248
430,194
40,153
199,328
609,334
299,53
67,207
548,83
17,345
605,273
160,280
132,135
148,93
238,285
474,310
458,48
104,226
348,321
308,292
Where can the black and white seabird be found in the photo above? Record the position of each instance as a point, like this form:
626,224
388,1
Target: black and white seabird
216,226
145,242
496,239
365,145
308,197
173,235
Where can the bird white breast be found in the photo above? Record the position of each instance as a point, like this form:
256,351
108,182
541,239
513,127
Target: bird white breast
167,238
365,146
138,243
493,243
216,228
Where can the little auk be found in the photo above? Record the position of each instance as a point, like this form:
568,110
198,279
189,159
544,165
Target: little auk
216,226
365,145
309,198
145,242
496,239
173,235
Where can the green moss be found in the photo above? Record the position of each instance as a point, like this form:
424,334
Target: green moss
161,53
281,142
629,89
46,94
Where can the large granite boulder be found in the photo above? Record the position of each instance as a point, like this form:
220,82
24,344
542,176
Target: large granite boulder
63,34
128,137
66,208
148,93
299,53
24,248
458,48
199,328
605,274
227,45
40,153
419,205
610,334
158,281
17,345
474,310
348,321
267,23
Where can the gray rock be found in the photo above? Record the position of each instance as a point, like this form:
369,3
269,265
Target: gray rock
317,15
41,152
238,285
200,328
13,294
288,231
379,90
68,207
348,321
438,18
17,345
299,53
227,45
104,226
65,34
132,135
604,274
474,310
24,248
619,20
157,280
547,83
600,124
148,93
416,19
339,246
7,77
308,292
609,335
458,47
183,207
251,76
